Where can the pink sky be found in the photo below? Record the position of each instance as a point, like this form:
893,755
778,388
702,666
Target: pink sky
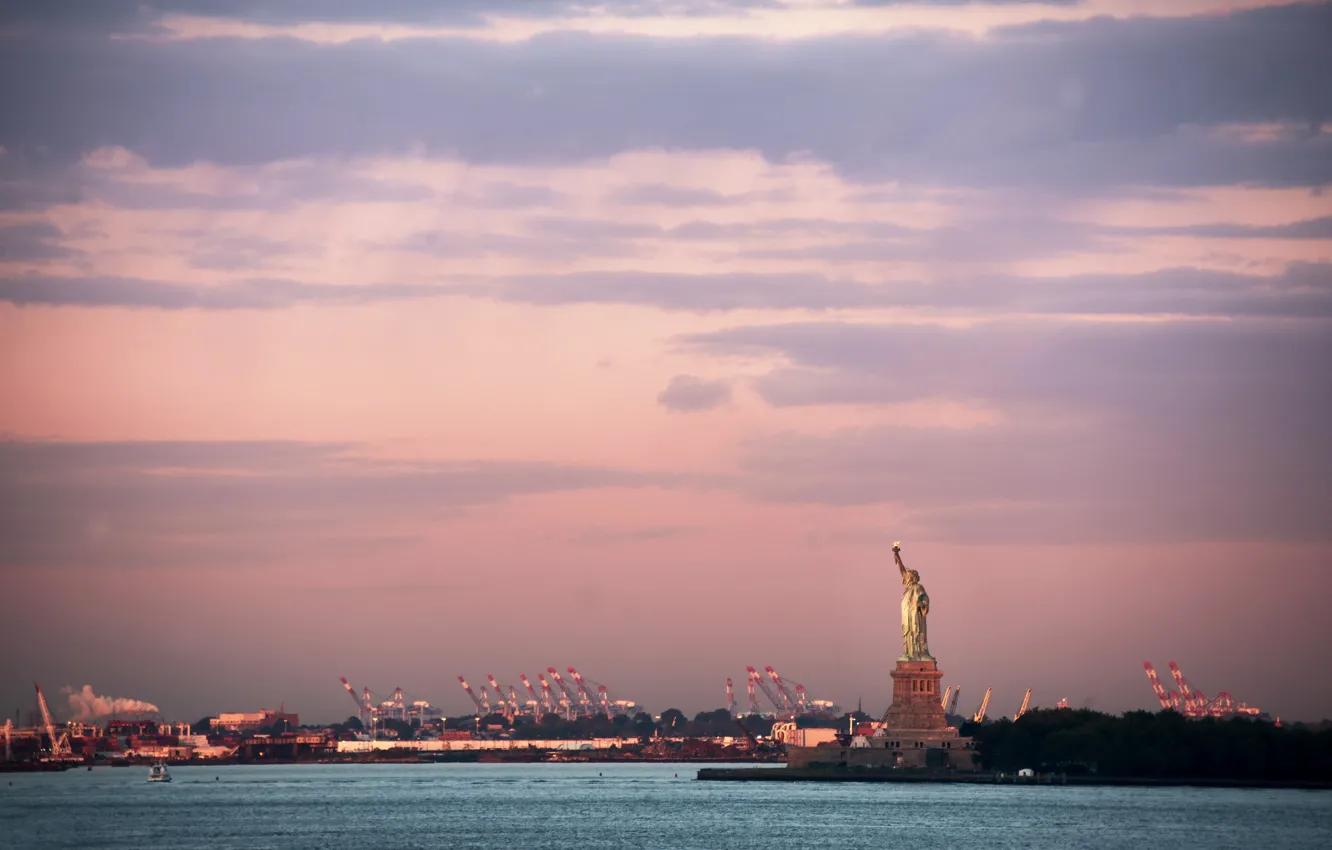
558,341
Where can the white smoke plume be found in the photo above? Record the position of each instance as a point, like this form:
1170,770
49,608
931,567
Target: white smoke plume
87,705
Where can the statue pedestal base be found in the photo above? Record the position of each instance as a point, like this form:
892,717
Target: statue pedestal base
916,698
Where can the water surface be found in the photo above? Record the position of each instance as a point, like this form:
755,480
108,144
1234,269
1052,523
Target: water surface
650,806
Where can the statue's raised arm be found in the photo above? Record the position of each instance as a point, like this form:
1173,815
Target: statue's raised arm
897,556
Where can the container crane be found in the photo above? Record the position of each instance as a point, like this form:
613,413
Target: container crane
1193,702
1026,701
59,746
948,692
1157,687
9,747
757,679
585,699
952,705
485,701
1063,703
536,701
505,708
570,700
368,701
480,709
730,696
546,702
752,694
513,702
351,692
802,699
984,706
789,698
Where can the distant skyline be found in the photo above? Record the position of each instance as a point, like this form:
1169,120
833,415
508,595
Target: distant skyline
408,340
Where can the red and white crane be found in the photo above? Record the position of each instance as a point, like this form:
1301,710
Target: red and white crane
351,692
757,679
585,698
752,694
536,701
1157,687
505,708
792,705
1193,702
730,696
480,709
546,701
570,701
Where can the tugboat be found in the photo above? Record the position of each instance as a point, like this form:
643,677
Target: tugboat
158,773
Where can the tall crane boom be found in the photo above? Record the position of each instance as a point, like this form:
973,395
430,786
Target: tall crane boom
1026,701
1192,707
1157,687
351,692
570,700
752,694
787,696
585,698
536,701
948,692
481,709
757,679
59,746
984,706
730,696
546,702
952,707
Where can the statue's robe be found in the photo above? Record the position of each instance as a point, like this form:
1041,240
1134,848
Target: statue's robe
915,604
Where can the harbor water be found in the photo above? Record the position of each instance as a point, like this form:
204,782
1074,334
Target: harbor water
589,806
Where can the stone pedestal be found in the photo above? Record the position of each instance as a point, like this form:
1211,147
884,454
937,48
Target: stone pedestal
916,698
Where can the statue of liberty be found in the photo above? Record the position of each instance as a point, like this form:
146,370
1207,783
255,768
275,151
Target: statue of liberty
915,608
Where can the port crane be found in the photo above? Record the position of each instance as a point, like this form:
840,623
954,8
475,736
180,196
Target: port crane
585,698
951,708
792,700
730,696
1026,701
570,700
546,700
480,709
948,692
351,692
59,746
757,679
979,717
536,701
9,747
751,693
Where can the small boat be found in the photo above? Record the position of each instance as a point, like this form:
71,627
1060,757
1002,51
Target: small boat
158,773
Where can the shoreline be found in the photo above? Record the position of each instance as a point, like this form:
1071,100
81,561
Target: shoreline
746,774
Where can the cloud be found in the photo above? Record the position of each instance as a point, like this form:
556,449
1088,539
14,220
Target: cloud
1302,290
687,393
665,195
38,240
127,16
257,294
1072,106
183,503
229,250
1314,228
1159,431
